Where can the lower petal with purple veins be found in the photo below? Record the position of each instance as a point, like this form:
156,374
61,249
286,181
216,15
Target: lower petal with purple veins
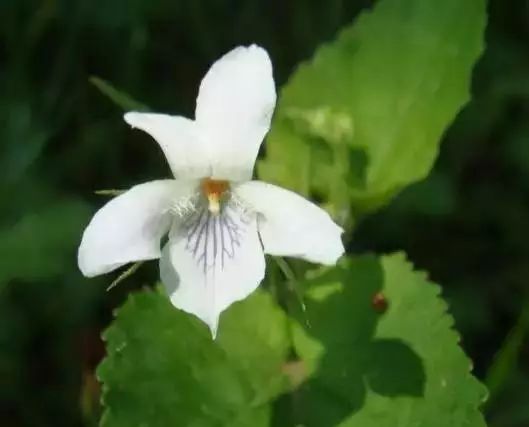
212,260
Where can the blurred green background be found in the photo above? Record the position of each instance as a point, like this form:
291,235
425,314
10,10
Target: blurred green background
60,139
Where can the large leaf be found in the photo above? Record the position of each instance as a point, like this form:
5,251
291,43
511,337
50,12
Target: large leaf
163,369
364,117
376,348
380,351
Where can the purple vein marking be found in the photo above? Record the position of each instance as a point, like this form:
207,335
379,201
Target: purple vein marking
212,238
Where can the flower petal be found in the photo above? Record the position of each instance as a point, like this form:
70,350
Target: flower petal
211,261
180,141
291,225
130,226
234,108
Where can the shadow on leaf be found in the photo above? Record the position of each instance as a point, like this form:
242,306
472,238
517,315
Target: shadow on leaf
343,349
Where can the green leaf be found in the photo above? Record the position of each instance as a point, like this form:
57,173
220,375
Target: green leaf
381,351
364,117
506,359
40,244
118,97
163,369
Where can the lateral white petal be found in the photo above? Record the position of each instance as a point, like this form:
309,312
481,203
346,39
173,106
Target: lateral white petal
211,261
234,108
180,140
290,225
129,227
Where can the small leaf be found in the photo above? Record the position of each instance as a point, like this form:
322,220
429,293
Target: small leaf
401,366
118,97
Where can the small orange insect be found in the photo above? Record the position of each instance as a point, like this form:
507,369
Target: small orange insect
379,302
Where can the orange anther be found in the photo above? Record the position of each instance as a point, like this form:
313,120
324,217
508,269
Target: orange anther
213,190
214,186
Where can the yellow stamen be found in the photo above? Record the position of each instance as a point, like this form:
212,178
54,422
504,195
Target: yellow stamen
214,203
214,189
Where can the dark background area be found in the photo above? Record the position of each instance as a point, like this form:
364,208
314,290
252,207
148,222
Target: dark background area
467,224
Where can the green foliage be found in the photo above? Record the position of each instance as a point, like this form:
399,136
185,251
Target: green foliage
373,345
36,246
364,117
163,369
60,137
360,363
120,98
506,360
382,351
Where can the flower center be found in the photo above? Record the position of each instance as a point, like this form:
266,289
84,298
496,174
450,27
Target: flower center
213,190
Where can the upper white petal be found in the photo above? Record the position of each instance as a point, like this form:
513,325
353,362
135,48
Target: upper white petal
205,267
291,225
180,140
234,108
129,227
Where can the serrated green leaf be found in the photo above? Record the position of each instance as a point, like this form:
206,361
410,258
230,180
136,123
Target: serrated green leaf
40,243
163,368
364,117
382,351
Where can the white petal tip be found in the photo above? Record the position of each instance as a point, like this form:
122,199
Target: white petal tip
83,262
90,269
213,331
253,48
335,250
258,50
329,251
253,54
85,272
213,324
131,118
331,260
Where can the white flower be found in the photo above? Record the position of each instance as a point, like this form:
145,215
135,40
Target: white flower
220,222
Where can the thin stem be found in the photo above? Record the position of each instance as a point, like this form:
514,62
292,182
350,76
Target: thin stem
127,273
293,285
286,269
109,192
